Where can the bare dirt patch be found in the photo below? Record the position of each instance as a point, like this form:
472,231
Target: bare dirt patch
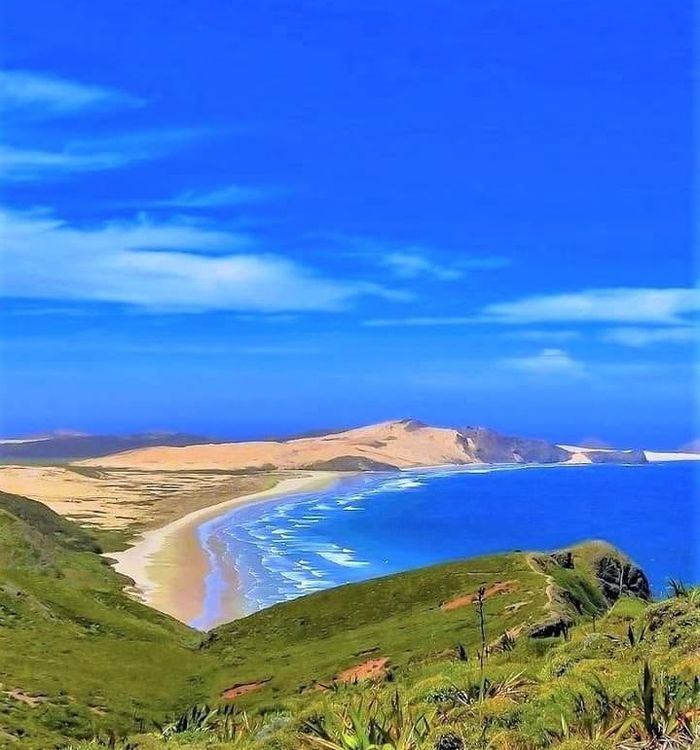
372,669
236,691
500,587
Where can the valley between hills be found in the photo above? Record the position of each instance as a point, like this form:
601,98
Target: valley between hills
516,651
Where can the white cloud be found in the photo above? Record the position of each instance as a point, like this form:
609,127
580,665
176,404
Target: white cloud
29,164
32,149
409,265
621,305
229,195
640,337
157,266
416,262
546,362
669,306
41,95
89,155
412,261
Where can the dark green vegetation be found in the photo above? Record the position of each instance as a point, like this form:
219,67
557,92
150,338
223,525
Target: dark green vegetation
511,651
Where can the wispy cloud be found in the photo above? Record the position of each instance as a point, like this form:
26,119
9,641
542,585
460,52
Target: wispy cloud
38,95
228,195
33,149
90,154
546,362
616,305
159,266
412,260
410,265
641,337
549,335
31,164
415,262
670,306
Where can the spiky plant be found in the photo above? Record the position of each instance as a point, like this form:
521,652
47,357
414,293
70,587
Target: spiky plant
677,588
367,725
665,712
635,638
511,687
595,717
224,723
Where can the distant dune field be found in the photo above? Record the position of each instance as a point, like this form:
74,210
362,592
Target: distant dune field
119,499
401,444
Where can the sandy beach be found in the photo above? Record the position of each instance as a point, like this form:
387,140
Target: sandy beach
168,566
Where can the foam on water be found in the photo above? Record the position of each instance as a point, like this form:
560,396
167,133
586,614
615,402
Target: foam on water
284,548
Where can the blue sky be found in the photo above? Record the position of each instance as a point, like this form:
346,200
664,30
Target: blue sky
247,219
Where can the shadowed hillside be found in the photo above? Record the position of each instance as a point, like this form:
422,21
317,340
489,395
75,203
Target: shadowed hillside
61,447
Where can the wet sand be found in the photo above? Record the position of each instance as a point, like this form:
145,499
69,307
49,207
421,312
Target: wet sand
169,568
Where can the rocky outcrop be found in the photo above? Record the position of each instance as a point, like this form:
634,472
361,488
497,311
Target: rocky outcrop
564,559
553,627
491,447
584,580
617,457
620,577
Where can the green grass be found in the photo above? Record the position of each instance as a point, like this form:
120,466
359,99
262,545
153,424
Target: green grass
80,660
310,640
90,658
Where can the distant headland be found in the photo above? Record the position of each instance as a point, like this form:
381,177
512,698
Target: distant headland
389,445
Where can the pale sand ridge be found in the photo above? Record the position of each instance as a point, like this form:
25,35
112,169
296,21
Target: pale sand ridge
403,444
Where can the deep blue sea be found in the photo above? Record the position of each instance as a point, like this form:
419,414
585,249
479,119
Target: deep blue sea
372,525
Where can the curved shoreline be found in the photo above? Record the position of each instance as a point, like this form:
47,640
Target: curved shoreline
169,568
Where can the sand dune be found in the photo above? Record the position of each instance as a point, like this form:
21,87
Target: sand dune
121,499
401,444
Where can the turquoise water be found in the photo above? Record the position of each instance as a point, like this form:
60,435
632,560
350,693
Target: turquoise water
373,525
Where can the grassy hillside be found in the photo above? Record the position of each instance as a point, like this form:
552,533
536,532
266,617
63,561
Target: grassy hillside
625,679
76,655
500,651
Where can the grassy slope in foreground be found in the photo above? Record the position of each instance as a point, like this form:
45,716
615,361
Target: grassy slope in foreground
77,657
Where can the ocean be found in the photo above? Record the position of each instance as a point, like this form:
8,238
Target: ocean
376,524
